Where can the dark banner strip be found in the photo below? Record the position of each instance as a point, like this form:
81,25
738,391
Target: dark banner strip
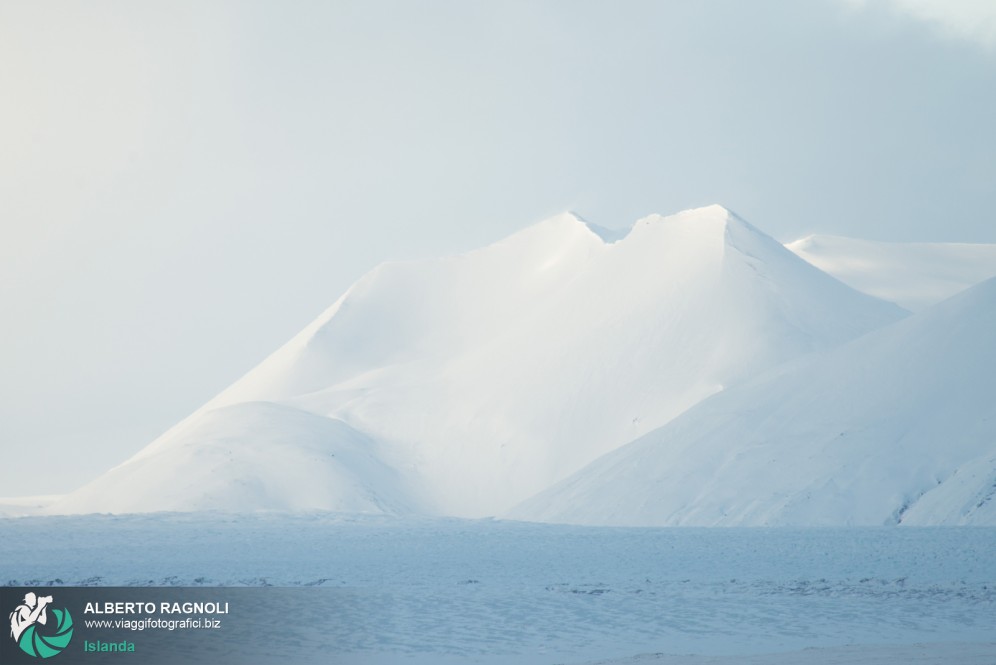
169,625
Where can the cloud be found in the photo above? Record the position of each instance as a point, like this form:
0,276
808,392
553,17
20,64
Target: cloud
973,20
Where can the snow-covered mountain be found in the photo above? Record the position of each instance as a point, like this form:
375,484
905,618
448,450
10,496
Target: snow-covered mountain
898,426
247,456
464,385
914,275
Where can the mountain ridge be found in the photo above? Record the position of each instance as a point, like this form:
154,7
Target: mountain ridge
914,275
482,379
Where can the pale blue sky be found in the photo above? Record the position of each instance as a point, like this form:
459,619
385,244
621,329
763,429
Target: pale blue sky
186,184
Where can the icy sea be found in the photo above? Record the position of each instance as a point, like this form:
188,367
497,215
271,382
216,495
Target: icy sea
485,591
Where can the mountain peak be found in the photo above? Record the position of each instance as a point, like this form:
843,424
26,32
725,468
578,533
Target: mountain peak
570,224
712,229
489,376
711,216
714,210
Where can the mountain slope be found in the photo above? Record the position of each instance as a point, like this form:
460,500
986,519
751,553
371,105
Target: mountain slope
898,426
914,275
255,455
483,378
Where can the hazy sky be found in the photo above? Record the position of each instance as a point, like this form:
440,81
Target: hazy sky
185,184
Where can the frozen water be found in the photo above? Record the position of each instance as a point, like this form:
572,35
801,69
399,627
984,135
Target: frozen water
449,590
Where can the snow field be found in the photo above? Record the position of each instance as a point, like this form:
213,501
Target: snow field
449,590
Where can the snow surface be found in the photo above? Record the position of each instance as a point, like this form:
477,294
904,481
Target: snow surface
689,372
914,275
459,591
258,454
896,427
462,386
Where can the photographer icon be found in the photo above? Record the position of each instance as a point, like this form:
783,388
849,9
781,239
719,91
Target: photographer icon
28,614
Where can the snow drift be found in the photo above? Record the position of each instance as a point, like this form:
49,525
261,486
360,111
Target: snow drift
463,386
